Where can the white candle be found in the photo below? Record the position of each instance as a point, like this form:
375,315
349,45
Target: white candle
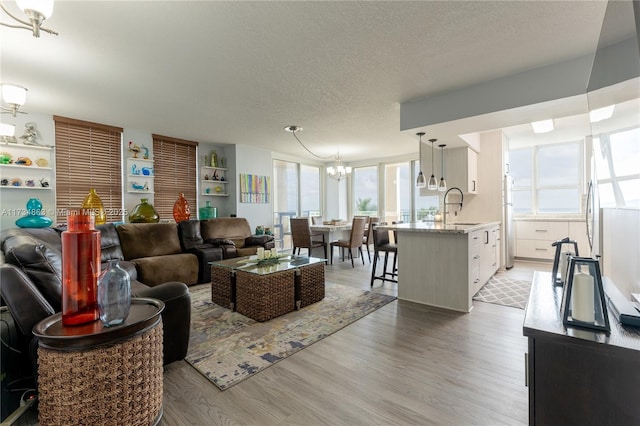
274,252
582,298
260,253
564,263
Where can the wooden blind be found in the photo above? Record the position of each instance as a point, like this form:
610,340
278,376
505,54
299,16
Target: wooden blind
88,155
175,166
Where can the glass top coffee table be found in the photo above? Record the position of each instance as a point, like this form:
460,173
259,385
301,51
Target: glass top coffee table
263,292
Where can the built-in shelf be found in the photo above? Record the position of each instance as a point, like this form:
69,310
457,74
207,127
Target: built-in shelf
32,173
213,187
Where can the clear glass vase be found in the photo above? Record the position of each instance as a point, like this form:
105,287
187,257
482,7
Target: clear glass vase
114,295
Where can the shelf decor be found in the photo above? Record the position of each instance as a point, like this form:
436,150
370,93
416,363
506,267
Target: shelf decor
93,202
181,209
144,213
255,188
35,217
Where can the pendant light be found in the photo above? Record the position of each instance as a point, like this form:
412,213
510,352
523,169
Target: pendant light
442,186
421,182
433,183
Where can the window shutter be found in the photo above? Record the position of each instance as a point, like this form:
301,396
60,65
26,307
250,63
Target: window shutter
88,155
175,166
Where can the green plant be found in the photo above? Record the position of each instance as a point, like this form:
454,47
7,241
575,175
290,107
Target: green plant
365,205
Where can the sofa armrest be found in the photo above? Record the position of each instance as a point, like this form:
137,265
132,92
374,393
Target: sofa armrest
176,317
259,240
27,305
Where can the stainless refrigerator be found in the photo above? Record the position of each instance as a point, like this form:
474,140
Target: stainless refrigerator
509,232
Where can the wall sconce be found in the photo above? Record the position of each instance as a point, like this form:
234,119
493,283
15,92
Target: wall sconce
36,10
15,96
583,301
561,259
7,133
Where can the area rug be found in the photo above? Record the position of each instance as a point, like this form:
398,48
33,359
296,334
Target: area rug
502,290
227,347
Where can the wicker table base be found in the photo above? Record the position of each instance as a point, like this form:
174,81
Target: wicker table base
310,285
119,382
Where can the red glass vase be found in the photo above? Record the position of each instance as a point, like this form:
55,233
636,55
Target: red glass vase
80,268
181,209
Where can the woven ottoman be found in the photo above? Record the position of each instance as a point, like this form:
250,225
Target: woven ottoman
263,297
309,285
223,286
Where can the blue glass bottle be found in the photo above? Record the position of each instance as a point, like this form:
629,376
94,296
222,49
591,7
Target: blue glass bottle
114,295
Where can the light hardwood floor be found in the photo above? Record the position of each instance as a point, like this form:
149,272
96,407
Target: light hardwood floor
403,364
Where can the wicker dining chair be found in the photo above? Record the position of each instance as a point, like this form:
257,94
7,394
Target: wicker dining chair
303,238
354,241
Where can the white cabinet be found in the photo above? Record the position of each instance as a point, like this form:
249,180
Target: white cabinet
462,169
214,181
26,167
140,175
534,237
475,255
489,253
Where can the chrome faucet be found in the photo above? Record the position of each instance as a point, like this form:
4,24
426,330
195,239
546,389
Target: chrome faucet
455,188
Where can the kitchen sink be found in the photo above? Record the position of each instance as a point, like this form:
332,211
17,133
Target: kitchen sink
465,223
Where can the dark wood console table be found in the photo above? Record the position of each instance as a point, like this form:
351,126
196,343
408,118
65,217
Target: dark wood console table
577,376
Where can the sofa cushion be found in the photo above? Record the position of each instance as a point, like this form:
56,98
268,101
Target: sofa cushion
154,270
148,239
109,243
236,229
189,233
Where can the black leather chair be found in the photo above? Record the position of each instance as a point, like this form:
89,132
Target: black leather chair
192,242
31,277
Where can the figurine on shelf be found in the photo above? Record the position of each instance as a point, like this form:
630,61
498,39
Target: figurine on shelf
134,169
214,159
135,149
44,183
221,178
31,136
146,152
139,187
215,175
206,177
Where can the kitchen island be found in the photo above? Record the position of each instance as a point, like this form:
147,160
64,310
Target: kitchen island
445,265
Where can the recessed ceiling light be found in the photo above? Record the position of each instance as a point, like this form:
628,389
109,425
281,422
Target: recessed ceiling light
543,126
601,114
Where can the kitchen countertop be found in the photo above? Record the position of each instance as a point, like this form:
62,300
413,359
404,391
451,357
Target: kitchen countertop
438,227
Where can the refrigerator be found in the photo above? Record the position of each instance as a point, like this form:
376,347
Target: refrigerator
509,232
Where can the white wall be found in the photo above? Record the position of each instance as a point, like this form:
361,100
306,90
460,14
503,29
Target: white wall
13,201
255,161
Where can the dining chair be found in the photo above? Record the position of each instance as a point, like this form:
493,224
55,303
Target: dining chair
317,220
355,240
382,244
368,236
303,238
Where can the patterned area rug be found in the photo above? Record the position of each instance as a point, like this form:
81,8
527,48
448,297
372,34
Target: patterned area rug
228,347
501,290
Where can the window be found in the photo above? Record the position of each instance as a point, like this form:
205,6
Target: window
88,155
365,191
617,156
397,192
174,163
310,190
426,202
547,178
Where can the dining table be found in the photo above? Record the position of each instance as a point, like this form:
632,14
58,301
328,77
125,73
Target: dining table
332,232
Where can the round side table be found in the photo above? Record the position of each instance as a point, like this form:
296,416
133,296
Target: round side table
91,374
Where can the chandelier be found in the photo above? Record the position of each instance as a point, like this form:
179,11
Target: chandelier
338,171
36,10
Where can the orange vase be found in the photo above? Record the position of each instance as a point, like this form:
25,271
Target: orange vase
181,209
80,268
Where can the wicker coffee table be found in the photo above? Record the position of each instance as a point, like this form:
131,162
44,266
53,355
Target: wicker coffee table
266,292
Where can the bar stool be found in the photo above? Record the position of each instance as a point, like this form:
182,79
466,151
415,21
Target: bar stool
381,244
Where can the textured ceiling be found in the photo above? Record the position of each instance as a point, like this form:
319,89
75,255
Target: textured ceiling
238,72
